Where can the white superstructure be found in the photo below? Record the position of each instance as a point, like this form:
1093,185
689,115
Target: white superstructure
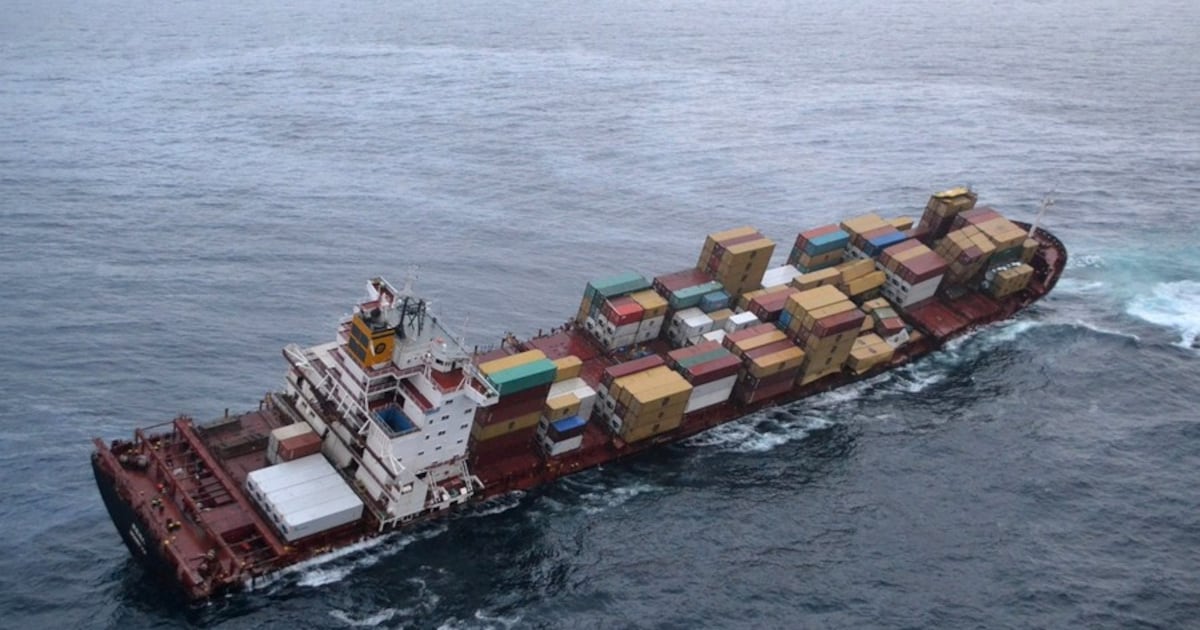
393,399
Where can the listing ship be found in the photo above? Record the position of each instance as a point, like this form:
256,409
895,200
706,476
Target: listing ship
395,421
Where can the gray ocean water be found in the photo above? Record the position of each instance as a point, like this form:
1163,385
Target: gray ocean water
186,187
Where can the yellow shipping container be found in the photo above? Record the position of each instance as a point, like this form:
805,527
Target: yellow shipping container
814,279
720,317
873,280
864,223
868,352
855,269
638,433
776,362
651,302
871,305
758,341
901,223
569,366
512,361
561,407
481,433
1028,250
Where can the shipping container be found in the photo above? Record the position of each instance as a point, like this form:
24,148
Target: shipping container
499,365
522,377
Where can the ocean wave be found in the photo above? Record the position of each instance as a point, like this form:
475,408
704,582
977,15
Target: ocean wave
1086,261
329,568
761,432
482,621
1076,286
1173,305
600,500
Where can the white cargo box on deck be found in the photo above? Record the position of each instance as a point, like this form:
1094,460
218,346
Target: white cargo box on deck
739,321
586,395
779,276
305,496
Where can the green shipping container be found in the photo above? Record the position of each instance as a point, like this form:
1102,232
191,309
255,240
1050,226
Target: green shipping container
620,284
713,355
689,297
523,377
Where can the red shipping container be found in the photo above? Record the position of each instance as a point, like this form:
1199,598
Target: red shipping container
614,372
734,338
834,324
714,370
669,283
298,446
622,311
749,395
803,238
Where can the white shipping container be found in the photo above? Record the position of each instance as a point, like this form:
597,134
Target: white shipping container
898,339
716,335
286,474
779,276
586,395
710,394
739,321
306,498
565,446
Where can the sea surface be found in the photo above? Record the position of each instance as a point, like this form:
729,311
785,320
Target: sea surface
186,187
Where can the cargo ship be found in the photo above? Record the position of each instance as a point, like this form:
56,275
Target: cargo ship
394,421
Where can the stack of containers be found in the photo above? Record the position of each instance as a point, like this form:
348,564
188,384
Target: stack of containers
825,324
1004,234
868,351
562,436
685,289
768,306
859,279
886,322
941,210
737,258
781,276
870,234
648,403
966,251
523,381
605,402
1004,281
770,362
627,320
688,326
568,405
710,368
818,248
654,308
914,273
614,286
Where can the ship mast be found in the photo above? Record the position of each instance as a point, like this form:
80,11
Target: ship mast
1047,201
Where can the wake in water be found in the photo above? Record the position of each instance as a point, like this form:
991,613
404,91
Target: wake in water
1174,305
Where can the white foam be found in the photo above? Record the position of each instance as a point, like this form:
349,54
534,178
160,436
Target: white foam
1086,261
1079,287
760,432
599,501
1174,305
315,572
482,621
370,621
